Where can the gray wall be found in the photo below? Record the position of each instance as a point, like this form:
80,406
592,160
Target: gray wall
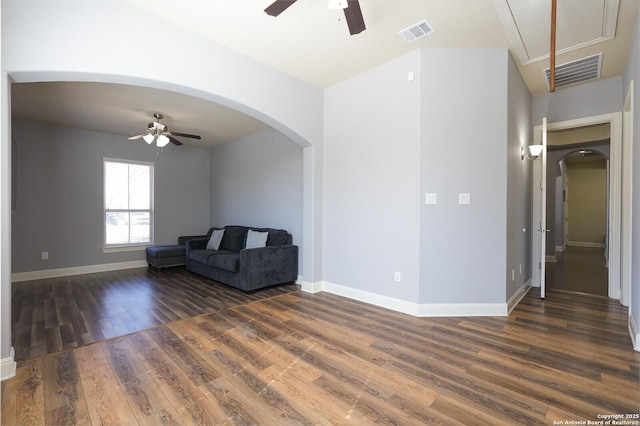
633,73
371,195
59,190
585,100
457,127
519,183
464,149
257,181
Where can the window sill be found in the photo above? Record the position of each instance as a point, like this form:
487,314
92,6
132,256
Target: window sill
119,249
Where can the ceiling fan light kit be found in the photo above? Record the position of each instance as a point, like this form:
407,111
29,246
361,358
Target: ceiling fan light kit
159,133
162,141
351,8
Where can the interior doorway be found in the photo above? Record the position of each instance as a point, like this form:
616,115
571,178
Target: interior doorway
580,219
615,207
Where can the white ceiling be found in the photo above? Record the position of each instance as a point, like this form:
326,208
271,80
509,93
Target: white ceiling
311,42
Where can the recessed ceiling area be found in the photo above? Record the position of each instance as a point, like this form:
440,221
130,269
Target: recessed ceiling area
529,25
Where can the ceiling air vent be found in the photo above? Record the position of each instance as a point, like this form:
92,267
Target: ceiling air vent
577,71
417,31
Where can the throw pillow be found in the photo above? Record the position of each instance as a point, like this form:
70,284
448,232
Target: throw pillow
216,238
256,239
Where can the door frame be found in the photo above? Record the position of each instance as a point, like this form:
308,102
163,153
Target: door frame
627,196
615,190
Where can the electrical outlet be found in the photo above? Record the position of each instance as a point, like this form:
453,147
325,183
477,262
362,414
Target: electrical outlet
513,275
397,276
45,255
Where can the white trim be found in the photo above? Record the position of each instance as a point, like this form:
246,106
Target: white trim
561,248
128,210
410,308
626,258
119,249
76,270
8,366
615,184
585,244
308,287
518,295
551,259
634,333
609,23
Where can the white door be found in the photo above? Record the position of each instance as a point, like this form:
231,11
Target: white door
539,217
542,230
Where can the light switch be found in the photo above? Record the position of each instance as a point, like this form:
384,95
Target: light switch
430,198
464,198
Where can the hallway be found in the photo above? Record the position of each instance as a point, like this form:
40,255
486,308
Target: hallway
579,269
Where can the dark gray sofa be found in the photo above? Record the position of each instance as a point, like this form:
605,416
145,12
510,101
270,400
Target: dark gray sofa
246,269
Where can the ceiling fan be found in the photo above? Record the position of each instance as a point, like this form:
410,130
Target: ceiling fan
160,133
352,12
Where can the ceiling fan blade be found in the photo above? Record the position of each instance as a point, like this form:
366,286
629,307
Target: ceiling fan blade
186,135
353,15
174,141
278,6
135,137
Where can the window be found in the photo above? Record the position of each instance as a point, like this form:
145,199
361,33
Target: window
128,203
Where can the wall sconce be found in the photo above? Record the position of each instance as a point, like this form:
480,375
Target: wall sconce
532,153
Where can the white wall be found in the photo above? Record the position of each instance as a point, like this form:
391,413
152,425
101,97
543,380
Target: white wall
59,196
257,181
633,74
371,169
464,150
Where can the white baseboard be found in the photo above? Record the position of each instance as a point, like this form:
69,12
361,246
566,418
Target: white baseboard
634,333
585,244
561,248
410,308
552,259
8,366
77,270
518,295
308,287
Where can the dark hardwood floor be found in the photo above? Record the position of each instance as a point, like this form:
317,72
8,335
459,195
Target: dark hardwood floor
579,269
217,356
51,315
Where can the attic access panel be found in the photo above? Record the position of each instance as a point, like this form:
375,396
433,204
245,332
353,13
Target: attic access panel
580,23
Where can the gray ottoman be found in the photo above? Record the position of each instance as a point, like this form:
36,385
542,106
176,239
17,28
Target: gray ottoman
166,256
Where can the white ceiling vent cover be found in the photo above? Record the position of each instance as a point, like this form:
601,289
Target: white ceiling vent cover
577,71
417,31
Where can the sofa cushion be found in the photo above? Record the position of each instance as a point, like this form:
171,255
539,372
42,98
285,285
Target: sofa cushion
256,239
200,256
277,237
215,240
234,237
228,261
